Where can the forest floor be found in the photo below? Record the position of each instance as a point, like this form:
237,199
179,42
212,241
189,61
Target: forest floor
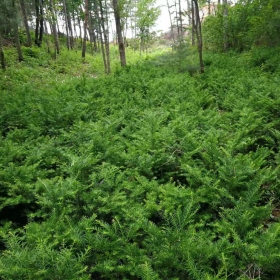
153,172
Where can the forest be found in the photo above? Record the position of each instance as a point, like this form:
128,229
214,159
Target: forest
126,153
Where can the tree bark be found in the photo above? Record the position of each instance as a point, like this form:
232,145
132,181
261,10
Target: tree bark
41,21
70,28
24,15
85,29
37,43
66,25
2,56
198,35
106,39
193,23
171,25
119,32
54,30
100,36
15,27
39,28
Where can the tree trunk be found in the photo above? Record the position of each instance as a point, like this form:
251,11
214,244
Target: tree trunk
193,23
41,21
100,36
119,32
171,25
85,30
106,39
24,15
15,27
37,43
39,28
198,35
189,13
54,30
70,28
80,29
2,56
66,25
92,31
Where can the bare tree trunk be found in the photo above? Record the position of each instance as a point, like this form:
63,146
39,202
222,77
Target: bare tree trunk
2,56
37,42
66,25
25,21
171,25
106,39
54,30
101,37
70,28
15,27
75,26
85,29
119,32
193,23
41,21
92,29
189,13
198,35
80,29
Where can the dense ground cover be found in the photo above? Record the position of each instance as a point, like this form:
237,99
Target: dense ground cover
150,173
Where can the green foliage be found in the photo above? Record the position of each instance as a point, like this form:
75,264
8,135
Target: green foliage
149,173
248,23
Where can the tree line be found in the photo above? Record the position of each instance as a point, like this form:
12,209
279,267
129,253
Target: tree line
26,22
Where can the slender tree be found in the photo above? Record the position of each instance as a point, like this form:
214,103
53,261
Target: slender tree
119,32
171,24
198,34
53,21
193,23
25,21
66,25
15,29
2,56
85,28
39,27
103,20
69,25
96,11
